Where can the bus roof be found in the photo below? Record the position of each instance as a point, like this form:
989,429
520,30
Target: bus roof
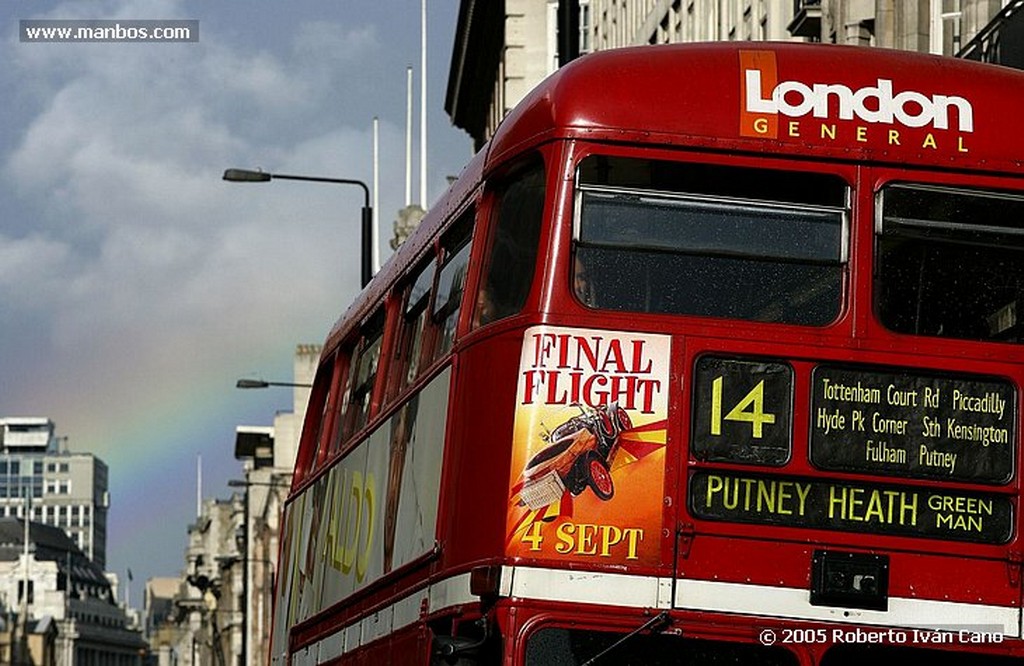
443,209
838,102
829,101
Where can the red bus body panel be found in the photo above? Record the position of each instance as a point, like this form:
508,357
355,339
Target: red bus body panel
868,116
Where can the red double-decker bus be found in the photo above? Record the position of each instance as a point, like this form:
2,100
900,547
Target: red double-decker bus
712,355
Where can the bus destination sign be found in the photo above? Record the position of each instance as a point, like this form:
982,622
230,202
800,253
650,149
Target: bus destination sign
742,410
915,426
920,511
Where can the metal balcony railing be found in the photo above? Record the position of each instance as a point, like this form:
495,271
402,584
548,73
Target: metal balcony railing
1001,41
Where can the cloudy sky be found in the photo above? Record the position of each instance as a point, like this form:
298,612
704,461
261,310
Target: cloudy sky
135,285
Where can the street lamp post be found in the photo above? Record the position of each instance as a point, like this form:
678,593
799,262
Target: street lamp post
273,482
260,384
247,559
249,176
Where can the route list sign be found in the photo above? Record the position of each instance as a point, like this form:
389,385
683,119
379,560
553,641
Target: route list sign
916,426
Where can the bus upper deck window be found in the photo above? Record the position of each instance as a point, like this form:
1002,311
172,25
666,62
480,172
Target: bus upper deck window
513,246
709,240
414,329
451,281
950,262
361,378
319,408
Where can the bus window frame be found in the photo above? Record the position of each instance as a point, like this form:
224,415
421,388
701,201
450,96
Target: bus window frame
497,186
323,440
405,327
440,315
394,392
566,200
369,332
346,351
847,218
314,449
467,217
882,177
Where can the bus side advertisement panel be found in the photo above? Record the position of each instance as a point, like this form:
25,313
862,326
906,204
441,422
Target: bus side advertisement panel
588,452
374,511
285,585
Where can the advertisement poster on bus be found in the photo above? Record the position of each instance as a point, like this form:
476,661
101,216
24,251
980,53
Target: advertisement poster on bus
287,581
588,454
374,511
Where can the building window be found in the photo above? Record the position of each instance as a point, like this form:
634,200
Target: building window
585,44
21,591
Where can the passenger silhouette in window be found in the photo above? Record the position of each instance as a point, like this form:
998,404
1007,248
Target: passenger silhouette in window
582,284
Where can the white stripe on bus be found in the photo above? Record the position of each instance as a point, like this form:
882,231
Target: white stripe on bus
615,589
789,602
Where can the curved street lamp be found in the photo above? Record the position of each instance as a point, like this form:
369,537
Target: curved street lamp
260,384
249,176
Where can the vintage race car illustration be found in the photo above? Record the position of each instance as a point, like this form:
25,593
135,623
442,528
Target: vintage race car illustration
580,454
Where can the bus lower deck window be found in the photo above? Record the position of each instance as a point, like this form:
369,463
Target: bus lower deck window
949,262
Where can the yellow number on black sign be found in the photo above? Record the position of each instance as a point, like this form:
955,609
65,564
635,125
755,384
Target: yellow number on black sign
750,409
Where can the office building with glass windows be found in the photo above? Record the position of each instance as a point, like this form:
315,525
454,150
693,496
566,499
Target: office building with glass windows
63,489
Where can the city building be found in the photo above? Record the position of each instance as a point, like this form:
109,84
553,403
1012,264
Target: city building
159,602
67,490
197,619
1001,41
219,612
159,612
502,49
268,458
70,613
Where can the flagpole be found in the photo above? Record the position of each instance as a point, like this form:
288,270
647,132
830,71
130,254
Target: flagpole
423,104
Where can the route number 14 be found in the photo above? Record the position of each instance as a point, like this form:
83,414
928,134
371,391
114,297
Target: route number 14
750,409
